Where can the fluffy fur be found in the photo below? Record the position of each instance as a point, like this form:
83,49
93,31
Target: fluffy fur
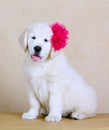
54,88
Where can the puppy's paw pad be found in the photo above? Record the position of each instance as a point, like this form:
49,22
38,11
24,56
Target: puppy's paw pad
51,118
78,116
28,116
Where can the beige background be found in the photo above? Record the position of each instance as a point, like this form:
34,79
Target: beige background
88,49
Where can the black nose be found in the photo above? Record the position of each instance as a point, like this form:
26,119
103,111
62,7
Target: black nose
37,49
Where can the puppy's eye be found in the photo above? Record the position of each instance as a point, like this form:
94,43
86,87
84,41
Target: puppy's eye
33,37
45,40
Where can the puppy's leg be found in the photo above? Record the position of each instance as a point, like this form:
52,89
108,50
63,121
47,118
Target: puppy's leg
34,106
55,108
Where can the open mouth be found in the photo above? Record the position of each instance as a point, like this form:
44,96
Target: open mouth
36,57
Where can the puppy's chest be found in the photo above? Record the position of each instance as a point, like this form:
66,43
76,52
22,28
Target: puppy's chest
41,81
41,86
43,94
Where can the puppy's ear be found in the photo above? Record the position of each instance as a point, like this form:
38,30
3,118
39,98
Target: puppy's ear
23,40
53,53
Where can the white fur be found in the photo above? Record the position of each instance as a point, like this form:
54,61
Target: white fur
54,88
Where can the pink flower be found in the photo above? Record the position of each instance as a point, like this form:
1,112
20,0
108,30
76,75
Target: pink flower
60,36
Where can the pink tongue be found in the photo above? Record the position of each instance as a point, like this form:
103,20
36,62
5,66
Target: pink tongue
35,58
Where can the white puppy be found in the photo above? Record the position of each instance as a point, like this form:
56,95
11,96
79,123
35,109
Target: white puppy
54,88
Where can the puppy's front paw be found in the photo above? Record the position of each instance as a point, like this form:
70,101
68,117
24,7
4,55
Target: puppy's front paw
52,118
29,116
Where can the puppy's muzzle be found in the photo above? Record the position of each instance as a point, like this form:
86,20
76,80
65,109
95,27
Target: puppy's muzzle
36,56
37,50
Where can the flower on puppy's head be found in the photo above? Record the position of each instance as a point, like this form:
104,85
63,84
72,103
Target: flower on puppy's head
59,37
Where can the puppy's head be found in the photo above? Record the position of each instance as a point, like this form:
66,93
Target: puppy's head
43,41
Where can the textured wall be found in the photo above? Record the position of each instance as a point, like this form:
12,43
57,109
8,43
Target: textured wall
88,49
